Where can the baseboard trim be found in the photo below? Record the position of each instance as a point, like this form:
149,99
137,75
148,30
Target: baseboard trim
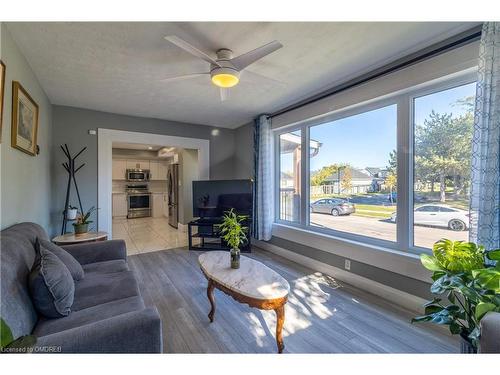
392,295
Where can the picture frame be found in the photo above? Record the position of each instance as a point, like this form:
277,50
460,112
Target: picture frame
24,120
2,92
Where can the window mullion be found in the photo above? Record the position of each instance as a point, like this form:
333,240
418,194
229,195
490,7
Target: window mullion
404,174
304,186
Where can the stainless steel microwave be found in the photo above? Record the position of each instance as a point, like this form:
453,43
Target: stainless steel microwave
137,175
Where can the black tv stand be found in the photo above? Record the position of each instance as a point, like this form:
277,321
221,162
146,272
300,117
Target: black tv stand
209,234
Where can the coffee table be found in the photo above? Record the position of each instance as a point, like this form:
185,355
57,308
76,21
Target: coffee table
253,284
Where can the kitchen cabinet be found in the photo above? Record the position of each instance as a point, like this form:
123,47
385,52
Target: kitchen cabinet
162,170
119,169
137,164
119,205
165,205
157,204
158,170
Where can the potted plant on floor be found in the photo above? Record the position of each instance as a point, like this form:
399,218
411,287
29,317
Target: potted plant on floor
466,288
82,222
234,233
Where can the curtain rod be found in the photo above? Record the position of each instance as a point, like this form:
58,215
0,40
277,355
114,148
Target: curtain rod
446,45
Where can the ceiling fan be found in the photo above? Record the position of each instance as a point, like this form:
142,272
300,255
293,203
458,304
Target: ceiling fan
225,69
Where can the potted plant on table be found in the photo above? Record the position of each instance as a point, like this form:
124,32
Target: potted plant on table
71,213
466,288
234,233
82,222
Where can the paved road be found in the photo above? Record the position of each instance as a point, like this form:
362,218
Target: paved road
377,228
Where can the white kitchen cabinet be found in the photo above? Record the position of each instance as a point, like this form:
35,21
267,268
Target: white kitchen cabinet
153,170
119,205
165,204
119,169
162,170
157,204
137,164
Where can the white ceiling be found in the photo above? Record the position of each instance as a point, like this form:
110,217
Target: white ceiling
136,146
117,67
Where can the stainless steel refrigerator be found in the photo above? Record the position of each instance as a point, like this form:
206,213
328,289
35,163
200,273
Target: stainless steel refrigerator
173,194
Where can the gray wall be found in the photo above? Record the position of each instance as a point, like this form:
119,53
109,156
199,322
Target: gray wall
188,172
26,183
71,125
243,156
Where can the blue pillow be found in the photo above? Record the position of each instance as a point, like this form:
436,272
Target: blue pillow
51,285
69,261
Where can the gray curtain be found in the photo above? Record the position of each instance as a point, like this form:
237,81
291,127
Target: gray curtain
485,189
263,178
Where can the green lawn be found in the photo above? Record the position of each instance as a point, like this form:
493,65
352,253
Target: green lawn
369,210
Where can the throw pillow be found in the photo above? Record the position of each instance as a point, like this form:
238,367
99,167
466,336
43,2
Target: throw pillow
69,261
51,285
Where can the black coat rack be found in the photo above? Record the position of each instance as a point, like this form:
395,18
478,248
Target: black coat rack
69,166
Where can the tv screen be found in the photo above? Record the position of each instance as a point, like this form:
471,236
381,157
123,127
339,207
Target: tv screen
213,198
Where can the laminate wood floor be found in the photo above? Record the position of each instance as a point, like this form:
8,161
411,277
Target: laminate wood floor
321,316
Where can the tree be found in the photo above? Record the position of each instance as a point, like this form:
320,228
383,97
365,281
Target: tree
393,163
442,148
346,180
391,182
319,177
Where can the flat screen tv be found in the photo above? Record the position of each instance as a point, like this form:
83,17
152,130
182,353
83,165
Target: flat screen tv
213,198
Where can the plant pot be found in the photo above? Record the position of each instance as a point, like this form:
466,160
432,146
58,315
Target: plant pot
81,229
235,258
466,346
71,213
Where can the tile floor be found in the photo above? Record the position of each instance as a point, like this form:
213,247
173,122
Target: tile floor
148,234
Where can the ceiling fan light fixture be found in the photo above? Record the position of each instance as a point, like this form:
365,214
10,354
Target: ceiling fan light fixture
225,77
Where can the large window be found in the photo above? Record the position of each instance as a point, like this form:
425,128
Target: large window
393,173
353,174
442,152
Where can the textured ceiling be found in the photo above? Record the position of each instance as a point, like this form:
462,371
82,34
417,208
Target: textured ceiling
117,67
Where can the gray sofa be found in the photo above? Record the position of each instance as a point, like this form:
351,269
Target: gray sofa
490,333
108,314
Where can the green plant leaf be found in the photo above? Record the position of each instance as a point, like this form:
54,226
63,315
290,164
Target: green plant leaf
430,262
431,309
23,342
493,254
445,283
482,308
5,334
455,328
488,278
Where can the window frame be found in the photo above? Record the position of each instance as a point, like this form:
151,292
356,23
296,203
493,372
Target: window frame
404,101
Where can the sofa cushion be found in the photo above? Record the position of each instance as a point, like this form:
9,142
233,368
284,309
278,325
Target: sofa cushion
69,261
88,316
108,266
51,285
99,288
17,244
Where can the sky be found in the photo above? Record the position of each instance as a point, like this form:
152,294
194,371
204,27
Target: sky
365,140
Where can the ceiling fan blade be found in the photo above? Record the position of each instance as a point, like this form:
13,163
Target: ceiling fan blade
183,77
242,61
191,49
224,94
250,73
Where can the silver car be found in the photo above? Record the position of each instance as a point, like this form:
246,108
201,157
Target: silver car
333,206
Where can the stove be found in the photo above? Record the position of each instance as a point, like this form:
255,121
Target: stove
138,201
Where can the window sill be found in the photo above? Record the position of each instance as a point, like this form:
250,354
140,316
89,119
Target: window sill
392,260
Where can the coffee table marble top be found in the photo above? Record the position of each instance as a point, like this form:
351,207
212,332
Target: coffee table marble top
253,279
85,237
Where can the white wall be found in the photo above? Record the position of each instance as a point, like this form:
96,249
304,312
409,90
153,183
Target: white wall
26,183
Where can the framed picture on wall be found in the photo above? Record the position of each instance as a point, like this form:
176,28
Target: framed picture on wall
24,120
2,89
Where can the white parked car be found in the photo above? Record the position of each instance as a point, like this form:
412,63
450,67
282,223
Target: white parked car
440,216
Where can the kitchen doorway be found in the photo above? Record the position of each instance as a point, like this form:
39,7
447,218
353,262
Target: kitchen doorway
150,231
